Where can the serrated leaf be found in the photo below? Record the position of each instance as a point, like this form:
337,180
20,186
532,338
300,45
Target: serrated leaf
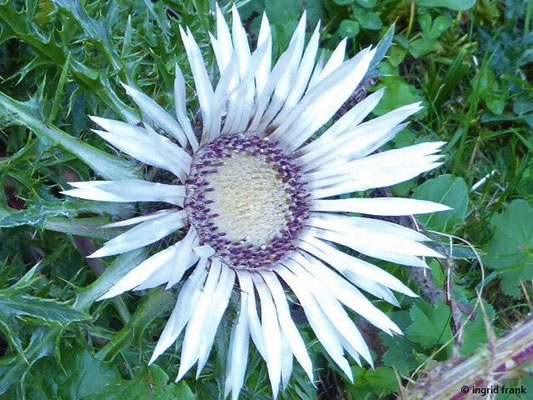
399,354
12,337
431,324
46,310
449,190
94,30
474,333
510,251
81,376
104,164
44,339
153,306
13,368
39,212
17,22
371,383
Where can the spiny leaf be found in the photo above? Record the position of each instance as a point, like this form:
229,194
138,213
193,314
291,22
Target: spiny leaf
81,376
104,164
154,305
19,25
40,212
46,310
94,30
44,339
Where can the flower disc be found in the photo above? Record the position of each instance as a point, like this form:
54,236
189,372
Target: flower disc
247,200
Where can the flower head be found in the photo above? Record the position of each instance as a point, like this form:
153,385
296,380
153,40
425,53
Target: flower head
256,198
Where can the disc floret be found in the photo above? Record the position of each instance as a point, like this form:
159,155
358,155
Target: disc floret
247,200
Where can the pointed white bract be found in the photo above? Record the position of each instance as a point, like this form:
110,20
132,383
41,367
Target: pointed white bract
385,206
271,333
126,191
143,234
145,145
238,351
288,103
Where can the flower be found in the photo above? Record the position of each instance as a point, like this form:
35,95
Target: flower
256,198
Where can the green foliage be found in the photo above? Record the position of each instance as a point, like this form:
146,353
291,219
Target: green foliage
376,383
475,331
401,352
468,62
430,324
510,251
155,303
456,5
448,190
80,376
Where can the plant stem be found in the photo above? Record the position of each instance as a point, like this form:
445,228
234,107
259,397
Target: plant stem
496,362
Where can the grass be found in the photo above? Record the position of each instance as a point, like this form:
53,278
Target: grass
60,60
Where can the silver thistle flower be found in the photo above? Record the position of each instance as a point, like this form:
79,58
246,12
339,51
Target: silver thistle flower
257,202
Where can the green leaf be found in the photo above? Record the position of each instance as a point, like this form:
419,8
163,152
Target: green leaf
440,25
425,23
44,340
15,303
104,164
455,5
495,102
154,305
431,324
376,383
400,354
349,28
367,3
46,310
39,212
397,93
17,23
525,184
95,31
396,55
474,333
401,351
13,368
421,47
369,20
448,190
153,384
510,251
81,376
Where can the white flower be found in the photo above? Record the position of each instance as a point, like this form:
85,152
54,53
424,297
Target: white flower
257,203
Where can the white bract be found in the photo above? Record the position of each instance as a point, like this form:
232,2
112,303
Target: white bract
255,200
